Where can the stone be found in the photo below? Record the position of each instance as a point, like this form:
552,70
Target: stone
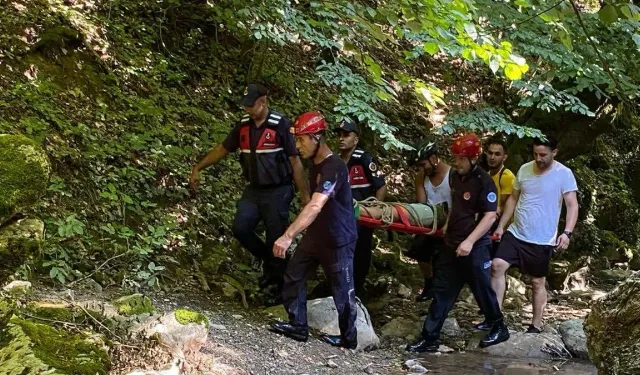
19,242
18,288
34,348
332,364
523,345
612,277
401,327
134,304
574,338
612,329
415,367
323,316
181,339
516,293
558,273
451,328
404,291
218,327
24,174
445,349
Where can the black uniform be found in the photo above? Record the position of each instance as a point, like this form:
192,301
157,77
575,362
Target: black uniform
264,156
365,178
472,196
329,242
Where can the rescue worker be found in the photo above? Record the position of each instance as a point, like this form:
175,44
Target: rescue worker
329,241
269,161
466,256
432,186
540,188
367,180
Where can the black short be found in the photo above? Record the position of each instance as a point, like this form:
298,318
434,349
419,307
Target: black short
423,248
530,258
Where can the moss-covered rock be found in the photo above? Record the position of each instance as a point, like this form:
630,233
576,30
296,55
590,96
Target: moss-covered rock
613,328
184,316
19,242
24,173
6,312
134,304
35,348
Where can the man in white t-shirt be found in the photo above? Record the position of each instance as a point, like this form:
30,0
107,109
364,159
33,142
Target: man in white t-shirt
538,191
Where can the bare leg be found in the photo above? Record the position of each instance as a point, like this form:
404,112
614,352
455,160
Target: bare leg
539,300
498,270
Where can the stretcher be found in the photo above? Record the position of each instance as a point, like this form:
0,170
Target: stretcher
403,226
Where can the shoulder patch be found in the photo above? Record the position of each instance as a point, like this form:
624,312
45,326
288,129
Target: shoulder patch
326,185
492,197
373,167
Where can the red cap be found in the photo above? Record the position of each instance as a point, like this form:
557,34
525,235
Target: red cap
309,123
466,145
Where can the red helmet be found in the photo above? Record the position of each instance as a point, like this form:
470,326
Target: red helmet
309,123
466,145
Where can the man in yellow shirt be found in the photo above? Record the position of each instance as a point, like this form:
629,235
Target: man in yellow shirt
497,153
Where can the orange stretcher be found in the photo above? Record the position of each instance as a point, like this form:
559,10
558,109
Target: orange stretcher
403,226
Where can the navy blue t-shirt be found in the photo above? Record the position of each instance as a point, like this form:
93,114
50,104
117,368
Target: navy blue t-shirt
335,225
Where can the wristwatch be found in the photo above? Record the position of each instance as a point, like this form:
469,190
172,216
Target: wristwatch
567,233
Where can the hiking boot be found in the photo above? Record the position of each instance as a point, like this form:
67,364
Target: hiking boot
338,341
422,346
287,329
533,329
499,333
484,326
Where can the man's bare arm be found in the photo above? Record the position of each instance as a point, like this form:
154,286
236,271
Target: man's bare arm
421,194
307,216
214,156
298,178
571,201
509,208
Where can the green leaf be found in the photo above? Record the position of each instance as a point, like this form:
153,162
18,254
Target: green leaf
471,30
53,272
431,48
494,63
626,11
636,38
608,14
257,35
513,72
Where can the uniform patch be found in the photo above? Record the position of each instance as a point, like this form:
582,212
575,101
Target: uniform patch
372,166
326,185
267,136
466,196
487,264
492,197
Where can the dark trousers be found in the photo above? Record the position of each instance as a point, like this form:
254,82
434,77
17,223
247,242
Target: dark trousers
362,258
337,264
272,207
450,275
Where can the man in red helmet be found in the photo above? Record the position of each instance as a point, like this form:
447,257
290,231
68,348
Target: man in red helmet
466,257
329,241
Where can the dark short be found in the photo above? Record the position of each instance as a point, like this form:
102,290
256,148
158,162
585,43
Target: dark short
531,259
423,248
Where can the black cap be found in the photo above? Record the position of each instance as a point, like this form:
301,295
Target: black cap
348,126
252,93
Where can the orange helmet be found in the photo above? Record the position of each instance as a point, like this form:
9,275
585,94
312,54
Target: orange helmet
466,145
309,123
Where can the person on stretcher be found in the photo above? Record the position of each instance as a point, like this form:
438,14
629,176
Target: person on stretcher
418,214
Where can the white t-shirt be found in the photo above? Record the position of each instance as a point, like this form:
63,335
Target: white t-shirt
440,193
538,209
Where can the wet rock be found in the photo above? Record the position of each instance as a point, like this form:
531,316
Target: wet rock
401,327
404,291
574,338
524,345
451,328
612,329
323,316
415,367
183,332
18,288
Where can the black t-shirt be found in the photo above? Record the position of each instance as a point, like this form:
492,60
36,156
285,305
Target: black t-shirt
471,196
362,162
335,225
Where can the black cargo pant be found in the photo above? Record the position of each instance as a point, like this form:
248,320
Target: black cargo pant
450,275
337,264
270,205
362,258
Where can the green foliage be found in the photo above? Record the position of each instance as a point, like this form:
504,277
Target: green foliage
483,120
184,316
134,304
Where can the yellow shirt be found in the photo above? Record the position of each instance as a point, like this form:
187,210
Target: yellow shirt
505,184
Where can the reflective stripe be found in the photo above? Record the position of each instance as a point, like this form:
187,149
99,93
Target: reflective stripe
274,122
275,116
358,152
245,151
360,186
356,156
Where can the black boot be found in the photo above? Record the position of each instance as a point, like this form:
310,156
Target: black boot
295,332
499,333
422,345
338,341
427,291
484,326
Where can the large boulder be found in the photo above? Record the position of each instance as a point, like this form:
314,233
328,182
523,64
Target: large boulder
24,174
545,345
31,348
574,338
613,328
182,331
19,242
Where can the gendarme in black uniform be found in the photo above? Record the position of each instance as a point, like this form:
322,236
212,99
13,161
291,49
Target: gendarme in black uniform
472,196
365,178
329,242
264,156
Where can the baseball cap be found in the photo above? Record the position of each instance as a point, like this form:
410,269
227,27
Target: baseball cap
252,93
348,126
